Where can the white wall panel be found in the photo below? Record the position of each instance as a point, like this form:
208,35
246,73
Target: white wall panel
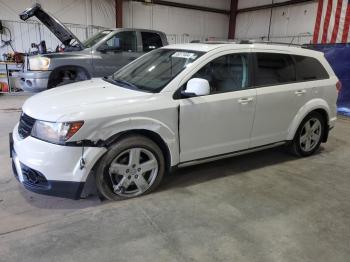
302,18
253,24
252,3
25,33
289,23
83,17
180,25
84,12
219,4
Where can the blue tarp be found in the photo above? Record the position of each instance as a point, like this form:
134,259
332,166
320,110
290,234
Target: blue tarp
338,55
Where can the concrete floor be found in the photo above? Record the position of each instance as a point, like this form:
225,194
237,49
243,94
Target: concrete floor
267,206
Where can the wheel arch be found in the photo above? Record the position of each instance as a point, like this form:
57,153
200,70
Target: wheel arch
55,73
169,156
316,105
155,137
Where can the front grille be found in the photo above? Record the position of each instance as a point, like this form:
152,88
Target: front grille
33,178
25,126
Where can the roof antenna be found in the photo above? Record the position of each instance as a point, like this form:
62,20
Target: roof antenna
291,42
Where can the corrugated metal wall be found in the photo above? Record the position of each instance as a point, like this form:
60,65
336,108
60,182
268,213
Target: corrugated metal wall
83,18
25,33
294,23
180,25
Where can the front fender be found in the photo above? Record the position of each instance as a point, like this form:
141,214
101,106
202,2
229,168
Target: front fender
168,135
310,106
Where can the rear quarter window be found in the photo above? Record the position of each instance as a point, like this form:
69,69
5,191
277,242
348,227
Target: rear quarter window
309,69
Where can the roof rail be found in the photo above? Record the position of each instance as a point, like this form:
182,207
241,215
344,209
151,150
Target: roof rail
219,42
247,41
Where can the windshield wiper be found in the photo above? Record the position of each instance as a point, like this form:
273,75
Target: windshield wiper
126,84
120,82
123,82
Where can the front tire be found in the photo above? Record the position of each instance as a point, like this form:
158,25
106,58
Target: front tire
65,77
132,167
309,135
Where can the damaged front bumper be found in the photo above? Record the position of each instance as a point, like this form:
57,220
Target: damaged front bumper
51,169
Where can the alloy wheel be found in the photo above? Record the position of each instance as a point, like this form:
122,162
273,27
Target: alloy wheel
133,172
310,134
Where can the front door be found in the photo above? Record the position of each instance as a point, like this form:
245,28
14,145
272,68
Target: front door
220,122
116,52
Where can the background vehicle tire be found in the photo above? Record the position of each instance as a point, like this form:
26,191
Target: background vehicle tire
65,77
309,135
132,167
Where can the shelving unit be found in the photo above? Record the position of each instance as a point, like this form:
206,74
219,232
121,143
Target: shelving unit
6,70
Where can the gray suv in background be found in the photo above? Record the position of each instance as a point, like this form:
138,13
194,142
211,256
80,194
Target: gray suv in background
101,55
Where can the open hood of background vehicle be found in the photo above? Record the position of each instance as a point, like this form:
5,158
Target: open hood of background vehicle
53,24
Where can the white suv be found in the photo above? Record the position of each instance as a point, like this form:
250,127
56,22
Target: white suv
175,106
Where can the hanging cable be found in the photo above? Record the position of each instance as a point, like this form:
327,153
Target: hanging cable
268,34
6,42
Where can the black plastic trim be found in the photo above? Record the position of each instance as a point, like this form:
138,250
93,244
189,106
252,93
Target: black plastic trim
65,189
234,152
86,143
326,134
11,144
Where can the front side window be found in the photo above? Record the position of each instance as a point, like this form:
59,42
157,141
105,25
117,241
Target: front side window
150,41
153,71
123,41
274,69
226,74
96,38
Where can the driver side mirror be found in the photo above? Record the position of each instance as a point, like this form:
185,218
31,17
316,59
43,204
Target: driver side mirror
196,87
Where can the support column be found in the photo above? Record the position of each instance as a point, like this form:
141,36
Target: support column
233,16
119,13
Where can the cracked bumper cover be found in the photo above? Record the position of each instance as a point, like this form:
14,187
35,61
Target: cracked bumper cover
56,167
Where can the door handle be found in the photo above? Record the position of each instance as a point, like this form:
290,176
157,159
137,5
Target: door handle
246,100
300,92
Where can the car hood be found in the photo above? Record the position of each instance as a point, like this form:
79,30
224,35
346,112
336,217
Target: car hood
53,24
78,100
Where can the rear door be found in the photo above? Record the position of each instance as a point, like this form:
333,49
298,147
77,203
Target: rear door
280,95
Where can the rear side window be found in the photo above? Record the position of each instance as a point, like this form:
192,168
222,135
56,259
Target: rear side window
274,69
151,41
309,68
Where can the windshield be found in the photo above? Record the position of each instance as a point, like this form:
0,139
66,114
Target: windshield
95,38
153,71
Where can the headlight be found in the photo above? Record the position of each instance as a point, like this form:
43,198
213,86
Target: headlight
57,133
39,63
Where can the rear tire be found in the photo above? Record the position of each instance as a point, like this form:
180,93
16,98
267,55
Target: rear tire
132,167
308,137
